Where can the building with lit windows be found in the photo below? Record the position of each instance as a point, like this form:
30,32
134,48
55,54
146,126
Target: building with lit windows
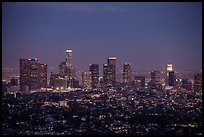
172,78
86,80
168,68
127,75
94,69
69,65
43,75
62,69
33,75
106,77
112,71
57,82
155,80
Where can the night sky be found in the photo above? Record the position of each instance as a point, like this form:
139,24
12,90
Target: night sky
148,35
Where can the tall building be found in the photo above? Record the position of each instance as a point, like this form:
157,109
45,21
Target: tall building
56,82
94,69
69,65
139,81
172,78
43,75
53,77
106,77
168,68
33,75
72,83
127,75
155,80
62,69
155,76
86,80
198,82
112,71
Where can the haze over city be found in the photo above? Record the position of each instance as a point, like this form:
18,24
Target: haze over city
148,35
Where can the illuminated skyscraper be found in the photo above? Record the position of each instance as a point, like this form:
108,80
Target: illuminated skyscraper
127,75
69,65
198,82
105,75
43,75
62,70
112,70
86,80
57,82
171,78
33,75
94,69
155,80
168,68
70,77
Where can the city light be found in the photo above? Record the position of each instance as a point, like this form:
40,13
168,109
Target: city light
69,50
138,82
169,67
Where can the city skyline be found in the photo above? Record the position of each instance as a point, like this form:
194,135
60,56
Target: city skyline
148,35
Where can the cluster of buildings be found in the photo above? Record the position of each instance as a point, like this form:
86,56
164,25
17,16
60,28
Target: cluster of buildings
34,76
139,105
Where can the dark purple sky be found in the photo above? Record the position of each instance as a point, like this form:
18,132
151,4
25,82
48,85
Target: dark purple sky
148,35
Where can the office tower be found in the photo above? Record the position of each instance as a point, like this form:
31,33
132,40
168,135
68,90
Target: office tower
168,68
86,80
28,74
62,69
105,74
94,69
53,77
33,75
69,65
171,78
139,81
127,75
43,75
112,71
155,76
155,80
72,83
198,82
56,82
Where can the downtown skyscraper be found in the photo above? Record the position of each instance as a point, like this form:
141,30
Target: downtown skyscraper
126,75
33,75
172,78
69,65
109,72
86,80
94,69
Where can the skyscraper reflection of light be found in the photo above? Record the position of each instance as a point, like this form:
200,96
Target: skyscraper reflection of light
69,65
112,70
126,75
